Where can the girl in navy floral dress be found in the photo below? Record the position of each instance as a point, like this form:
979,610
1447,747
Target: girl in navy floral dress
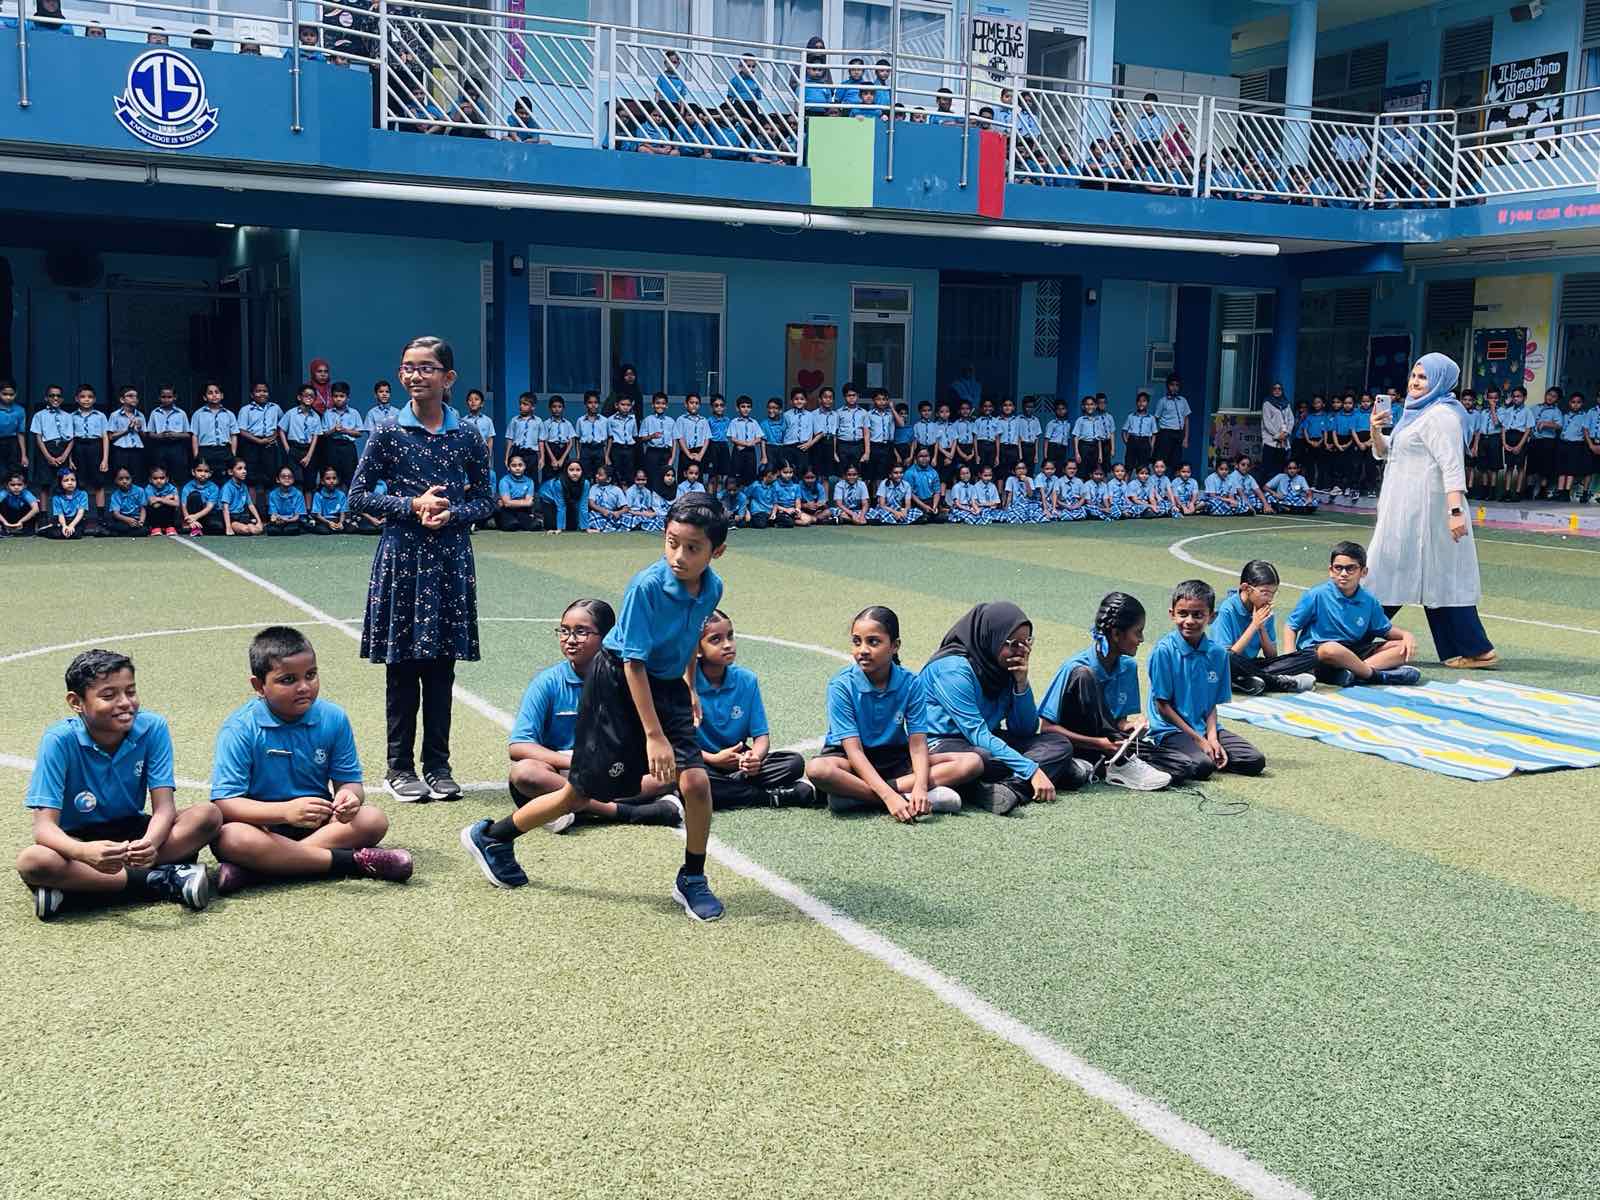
422,601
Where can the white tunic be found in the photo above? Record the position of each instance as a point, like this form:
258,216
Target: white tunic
1413,559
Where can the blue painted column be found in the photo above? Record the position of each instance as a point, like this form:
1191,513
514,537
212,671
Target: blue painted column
1192,357
508,372
1302,66
1285,337
1101,60
1078,360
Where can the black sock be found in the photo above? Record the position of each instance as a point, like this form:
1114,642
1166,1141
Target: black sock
344,863
504,830
693,864
517,798
137,877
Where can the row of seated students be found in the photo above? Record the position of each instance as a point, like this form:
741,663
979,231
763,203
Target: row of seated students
287,801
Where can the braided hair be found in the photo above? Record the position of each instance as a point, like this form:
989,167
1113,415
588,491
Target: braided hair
886,618
1117,613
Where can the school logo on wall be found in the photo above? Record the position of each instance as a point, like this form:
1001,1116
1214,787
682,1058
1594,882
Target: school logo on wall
164,103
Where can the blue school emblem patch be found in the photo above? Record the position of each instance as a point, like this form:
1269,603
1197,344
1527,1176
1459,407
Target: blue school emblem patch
85,802
321,756
138,769
1211,676
736,712
164,103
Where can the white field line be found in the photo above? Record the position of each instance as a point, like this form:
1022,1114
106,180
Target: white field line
1149,1115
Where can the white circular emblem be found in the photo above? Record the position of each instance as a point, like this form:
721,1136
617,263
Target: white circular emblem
321,755
736,712
616,770
164,103
138,769
1211,676
85,802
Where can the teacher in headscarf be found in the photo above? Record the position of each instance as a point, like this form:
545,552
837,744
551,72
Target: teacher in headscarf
1422,551
979,700
1277,423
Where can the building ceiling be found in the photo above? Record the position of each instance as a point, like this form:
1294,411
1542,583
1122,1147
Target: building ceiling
1273,27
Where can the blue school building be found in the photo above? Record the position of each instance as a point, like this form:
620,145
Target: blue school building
1042,198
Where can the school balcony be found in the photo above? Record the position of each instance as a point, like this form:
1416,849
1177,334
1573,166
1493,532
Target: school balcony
508,110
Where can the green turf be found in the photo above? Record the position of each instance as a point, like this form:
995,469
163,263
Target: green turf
1372,981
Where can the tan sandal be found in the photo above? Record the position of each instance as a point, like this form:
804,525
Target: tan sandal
1487,661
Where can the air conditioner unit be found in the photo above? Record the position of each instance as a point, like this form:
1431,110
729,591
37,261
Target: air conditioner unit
1162,360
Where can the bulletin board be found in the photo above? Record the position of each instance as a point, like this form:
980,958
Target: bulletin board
810,358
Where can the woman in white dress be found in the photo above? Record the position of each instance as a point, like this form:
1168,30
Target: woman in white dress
1422,551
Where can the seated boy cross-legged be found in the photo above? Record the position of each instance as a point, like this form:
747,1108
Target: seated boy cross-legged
87,794
288,782
1339,630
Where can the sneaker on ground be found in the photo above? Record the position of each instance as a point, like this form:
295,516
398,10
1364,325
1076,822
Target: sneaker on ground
694,893
1291,683
231,878
154,532
441,786
943,800
1137,775
182,883
1250,685
560,824
171,531
496,859
406,787
47,902
1405,676
663,810
998,798
1342,678
1082,773
800,794
384,862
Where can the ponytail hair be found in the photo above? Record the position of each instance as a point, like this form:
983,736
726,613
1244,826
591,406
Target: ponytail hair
1258,572
1117,613
884,617
601,613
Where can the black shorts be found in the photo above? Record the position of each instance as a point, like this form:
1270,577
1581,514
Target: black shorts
608,757
305,475
718,457
890,762
295,833
1575,459
340,454
44,476
123,829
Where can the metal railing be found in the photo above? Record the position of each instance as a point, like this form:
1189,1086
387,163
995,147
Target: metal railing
450,68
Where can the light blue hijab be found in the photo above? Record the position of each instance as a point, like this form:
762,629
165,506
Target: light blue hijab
1442,373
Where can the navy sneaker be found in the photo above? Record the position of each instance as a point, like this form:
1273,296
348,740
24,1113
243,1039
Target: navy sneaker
185,884
47,902
1405,676
694,893
495,858
1342,678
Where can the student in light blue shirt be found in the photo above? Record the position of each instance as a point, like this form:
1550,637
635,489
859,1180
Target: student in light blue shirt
200,501
1247,629
927,492
125,511
214,432
594,432
735,740
239,512
799,430
658,434
286,507
692,435
745,438
850,498
1030,434
557,436
1573,462
894,501
125,428
875,751
382,414
622,432
1339,631
786,512
1138,434
299,432
1288,491
774,426
523,435
1242,486
690,482
924,431
162,511
287,779
646,510
328,505
515,498
1189,678
1086,438
1058,437
564,501
1218,501
92,776
1172,422
608,504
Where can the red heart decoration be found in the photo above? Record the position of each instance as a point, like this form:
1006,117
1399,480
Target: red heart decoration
810,380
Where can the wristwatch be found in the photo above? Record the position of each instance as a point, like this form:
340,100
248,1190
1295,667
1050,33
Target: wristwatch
1455,512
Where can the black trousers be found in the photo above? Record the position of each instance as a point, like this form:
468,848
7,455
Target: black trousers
516,520
1083,710
1169,448
212,521
1181,757
173,457
1138,454
113,527
1273,460
406,684
780,769
622,459
655,464
592,455
340,454
1050,752
1457,632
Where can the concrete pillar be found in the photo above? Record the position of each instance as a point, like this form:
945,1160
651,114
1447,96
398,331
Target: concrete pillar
1078,363
1302,65
1285,337
508,372
1099,56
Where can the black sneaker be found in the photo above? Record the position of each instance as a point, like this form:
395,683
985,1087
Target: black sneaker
800,794
998,798
1303,682
441,786
185,884
407,788
495,859
664,810
1250,685
47,902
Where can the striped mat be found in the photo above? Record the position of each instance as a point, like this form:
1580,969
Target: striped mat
1471,729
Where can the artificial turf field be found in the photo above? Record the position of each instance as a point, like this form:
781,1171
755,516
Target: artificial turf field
1372,982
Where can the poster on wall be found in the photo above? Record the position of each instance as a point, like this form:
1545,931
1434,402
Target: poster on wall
1527,100
1388,361
998,49
810,357
1402,135
1233,434
1497,358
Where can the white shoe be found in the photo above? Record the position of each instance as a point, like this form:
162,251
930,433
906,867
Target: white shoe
943,800
1304,682
673,799
561,824
1137,775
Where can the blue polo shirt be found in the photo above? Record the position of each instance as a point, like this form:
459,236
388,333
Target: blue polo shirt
68,504
51,424
1325,614
514,487
1119,686
1232,619
786,493
885,716
300,425
209,492
89,786
1193,679
285,502
265,758
13,420
758,497
957,707
660,621
328,503
127,501
732,713
235,497
548,713
924,482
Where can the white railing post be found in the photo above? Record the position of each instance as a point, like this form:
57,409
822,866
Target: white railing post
1455,161
894,87
611,93
22,58
294,74
1202,127
1016,132
383,63
966,91
1372,169
597,133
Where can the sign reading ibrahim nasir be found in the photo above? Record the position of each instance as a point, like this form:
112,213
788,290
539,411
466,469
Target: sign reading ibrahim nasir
165,101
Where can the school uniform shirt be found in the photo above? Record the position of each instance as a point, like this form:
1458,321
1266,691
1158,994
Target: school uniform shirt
851,425
1027,431
285,502
1232,619
1116,490
327,503
622,430
89,786
346,422
986,429
692,431
945,435
924,481
1325,614
1069,489
961,433
17,504
815,492
235,497
1107,425
1515,418
548,714
735,501
1171,412
880,424
1470,427
168,419
381,416
556,432
208,491
1215,485
962,492
1238,484
260,755
1059,431
1139,424
260,420
1185,490
523,432
1086,429
1547,412
660,622
592,431
516,487
1119,687
849,495
731,713
1286,488
1016,488
67,504
774,429
786,494
825,421
1593,426
687,486
658,432
1096,494
13,420
745,429
758,498
608,496
925,433
166,490
885,716
894,495
300,424
639,497
1194,679
1573,425
1134,490
87,425
127,501
958,707
123,435
213,426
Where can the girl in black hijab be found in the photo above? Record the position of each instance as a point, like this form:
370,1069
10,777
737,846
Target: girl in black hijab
977,682
626,383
